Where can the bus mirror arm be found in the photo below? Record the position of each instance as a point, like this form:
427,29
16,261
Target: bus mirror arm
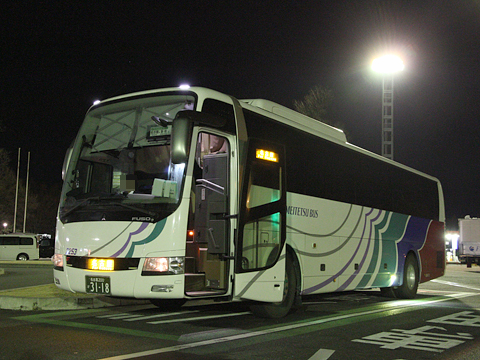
233,216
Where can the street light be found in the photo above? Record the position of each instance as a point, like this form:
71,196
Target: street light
5,227
387,65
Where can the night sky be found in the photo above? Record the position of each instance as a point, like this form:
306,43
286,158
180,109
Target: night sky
56,59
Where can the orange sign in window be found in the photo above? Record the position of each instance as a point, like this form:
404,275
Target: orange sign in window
267,155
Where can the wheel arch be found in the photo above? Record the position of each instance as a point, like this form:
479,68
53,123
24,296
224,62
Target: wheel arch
299,283
24,254
416,256
401,266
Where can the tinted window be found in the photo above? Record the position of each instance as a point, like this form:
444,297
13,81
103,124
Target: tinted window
224,110
11,240
26,241
320,168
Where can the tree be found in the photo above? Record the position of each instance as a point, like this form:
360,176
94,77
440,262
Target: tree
316,103
41,206
42,212
7,184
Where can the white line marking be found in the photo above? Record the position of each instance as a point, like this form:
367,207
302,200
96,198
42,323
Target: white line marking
121,316
454,284
112,315
396,305
322,354
163,315
198,318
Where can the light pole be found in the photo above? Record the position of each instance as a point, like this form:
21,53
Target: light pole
5,227
387,65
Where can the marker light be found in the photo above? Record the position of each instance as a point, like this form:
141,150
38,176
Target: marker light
393,279
101,264
96,102
184,86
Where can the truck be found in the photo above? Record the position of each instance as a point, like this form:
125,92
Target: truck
469,241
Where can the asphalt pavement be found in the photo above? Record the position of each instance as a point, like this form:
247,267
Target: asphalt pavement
48,296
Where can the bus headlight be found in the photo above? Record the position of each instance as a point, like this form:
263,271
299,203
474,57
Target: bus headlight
170,265
57,260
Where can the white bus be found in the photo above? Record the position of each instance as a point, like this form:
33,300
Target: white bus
19,246
171,195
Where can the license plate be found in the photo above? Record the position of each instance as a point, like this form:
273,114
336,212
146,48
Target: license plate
97,285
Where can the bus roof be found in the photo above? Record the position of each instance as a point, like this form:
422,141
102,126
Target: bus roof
316,127
297,119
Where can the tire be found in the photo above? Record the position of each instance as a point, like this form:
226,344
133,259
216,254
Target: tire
281,309
168,304
22,257
408,290
387,292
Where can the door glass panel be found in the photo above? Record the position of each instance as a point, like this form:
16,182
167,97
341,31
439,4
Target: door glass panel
264,185
211,193
261,242
261,233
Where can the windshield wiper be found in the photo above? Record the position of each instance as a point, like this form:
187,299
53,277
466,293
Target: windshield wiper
159,121
78,205
151,213
114,197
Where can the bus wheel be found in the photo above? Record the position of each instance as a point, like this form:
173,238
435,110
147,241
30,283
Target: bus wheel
168,304
281,309
22,257
408,290
387,292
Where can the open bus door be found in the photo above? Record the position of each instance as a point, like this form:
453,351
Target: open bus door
260,259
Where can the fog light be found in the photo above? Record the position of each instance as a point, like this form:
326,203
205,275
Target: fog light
162,288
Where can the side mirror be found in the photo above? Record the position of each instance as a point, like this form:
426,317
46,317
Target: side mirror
182,131
180,143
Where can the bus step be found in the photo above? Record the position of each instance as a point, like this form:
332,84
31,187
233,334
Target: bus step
194,282
190,265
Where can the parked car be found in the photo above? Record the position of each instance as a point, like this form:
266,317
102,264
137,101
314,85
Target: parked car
19,246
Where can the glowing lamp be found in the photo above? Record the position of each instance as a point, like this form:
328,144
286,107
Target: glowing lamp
388,64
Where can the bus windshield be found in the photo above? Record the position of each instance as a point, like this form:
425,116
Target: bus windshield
120,166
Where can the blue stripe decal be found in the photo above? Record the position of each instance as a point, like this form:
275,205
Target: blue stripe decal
414,239
142,227
330,279
153,235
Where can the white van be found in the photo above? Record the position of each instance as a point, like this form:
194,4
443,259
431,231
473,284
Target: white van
19,246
